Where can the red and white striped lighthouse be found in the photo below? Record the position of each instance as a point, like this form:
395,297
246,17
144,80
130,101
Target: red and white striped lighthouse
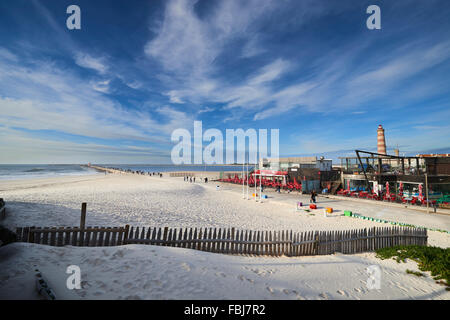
381,143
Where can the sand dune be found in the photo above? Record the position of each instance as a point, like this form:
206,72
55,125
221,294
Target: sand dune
152,272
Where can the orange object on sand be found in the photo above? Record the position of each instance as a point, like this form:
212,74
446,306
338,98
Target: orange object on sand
312,206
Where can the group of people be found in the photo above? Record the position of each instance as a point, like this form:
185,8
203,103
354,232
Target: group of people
138,172
192,179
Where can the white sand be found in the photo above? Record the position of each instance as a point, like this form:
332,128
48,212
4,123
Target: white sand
152,272
116,200
149,272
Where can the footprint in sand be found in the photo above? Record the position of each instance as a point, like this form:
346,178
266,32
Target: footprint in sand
360,290
185,266
96,262
125,267
118,254
242,278
323,295
221,274
152,284
342,293
298,296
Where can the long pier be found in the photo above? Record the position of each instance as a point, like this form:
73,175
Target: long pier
211,175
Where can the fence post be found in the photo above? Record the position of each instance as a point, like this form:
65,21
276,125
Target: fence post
316,243
31,235
83,216
125,236
233,245
165,235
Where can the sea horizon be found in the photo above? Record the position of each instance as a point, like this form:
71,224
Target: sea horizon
31,171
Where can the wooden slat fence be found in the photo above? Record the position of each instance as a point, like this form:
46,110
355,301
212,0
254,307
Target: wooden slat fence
74,236
232,241
182,174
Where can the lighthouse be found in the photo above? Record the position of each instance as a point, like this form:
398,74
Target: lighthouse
381,142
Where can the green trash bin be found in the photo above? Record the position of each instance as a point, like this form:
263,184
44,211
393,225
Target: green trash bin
347,213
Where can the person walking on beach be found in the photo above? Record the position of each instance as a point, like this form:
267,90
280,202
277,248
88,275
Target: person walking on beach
190,179
194,179
313,197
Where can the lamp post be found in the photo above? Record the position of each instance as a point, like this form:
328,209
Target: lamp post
426,190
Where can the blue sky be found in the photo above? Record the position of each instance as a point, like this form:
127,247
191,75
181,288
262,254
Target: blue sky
114,91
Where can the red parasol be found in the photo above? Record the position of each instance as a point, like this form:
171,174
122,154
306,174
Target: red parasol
420,192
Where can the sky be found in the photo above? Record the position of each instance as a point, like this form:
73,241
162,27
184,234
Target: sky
114,91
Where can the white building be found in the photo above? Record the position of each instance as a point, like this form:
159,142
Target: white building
297,162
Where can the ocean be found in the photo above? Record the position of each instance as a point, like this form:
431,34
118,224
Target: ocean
29,171
171,168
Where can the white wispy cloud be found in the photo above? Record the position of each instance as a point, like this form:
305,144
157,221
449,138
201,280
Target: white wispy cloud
86,61
101,86
23,147
42,96
188,47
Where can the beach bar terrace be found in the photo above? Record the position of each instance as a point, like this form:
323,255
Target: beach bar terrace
418,180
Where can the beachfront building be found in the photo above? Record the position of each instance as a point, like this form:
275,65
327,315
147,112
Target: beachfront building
320,164
311,172
395,177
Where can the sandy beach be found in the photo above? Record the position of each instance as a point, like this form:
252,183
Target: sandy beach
148,272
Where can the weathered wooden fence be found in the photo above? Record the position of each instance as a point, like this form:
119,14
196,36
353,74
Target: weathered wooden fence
182,174
231,241
74,236
228,241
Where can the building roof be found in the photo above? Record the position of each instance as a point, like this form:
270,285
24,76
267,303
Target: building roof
441,155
